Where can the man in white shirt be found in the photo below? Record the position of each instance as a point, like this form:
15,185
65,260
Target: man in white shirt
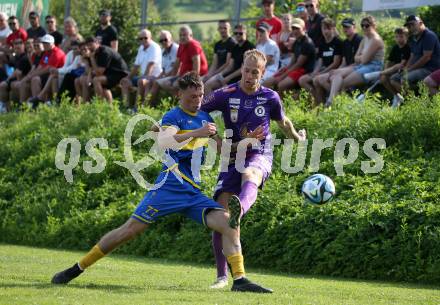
147,66
269,48
4,28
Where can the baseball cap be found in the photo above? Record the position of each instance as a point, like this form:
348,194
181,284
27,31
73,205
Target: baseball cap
33,14
298,23
47,39
348,22
412,18
263,26
105,12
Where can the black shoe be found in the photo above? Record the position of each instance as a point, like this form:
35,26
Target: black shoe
244,285
67,275
235,212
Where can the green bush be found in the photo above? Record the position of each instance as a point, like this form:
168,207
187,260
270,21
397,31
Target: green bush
379,226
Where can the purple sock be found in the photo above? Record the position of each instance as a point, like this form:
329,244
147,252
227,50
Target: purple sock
248,195
220,259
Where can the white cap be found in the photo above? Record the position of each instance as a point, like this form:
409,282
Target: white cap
47,39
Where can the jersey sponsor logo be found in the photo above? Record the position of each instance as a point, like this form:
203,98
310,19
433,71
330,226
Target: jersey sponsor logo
260,98
234,115
260,111
234,101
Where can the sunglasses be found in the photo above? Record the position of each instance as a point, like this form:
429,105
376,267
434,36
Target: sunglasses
309,5
365,25
12,23
163,40
238,33
261,30
49,21
18,42
143,38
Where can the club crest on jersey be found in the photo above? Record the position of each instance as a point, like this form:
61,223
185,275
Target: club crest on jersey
248,104
260,111
234,115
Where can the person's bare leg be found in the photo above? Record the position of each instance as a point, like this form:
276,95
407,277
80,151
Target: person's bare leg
35,85
432,85
125,91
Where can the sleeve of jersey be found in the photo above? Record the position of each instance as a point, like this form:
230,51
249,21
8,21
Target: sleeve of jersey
276,110
170,119
213,101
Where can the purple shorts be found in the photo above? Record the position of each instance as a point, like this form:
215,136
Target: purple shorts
230,181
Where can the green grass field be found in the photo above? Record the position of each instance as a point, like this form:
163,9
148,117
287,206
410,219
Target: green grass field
25,275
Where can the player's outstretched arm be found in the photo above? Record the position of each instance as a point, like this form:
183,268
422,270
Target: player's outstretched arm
170,138
289,131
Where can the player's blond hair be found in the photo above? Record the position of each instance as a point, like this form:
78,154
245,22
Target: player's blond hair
257,56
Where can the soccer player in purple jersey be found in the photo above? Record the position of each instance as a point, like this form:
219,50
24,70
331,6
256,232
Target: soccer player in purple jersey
247,110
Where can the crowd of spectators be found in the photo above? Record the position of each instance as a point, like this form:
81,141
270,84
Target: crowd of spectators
303,50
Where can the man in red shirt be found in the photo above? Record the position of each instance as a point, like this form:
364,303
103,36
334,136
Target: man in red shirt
17,33
273,21
190,57
53,57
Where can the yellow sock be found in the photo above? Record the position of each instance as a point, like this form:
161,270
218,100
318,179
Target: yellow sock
90,258
236,262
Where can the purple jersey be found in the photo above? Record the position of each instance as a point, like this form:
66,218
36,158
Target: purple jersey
243,113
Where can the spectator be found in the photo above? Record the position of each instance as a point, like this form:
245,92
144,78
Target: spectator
329,58
285,40
269,48
17,32
53,57
433,82
35,54
222,50
424,59
70,34
269,18
4,28
232,73
190,57
314,22
301,12
397,59
169,57
107,33
147,67
108,68
349,49
22,66
36,30
56,75
83,83
302,62
369,58
51,25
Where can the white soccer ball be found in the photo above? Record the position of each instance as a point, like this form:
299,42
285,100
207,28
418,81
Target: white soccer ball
318,189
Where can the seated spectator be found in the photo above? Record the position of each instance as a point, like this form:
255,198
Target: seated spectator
301,12
56,75
285,40
16,33
4,29
147,66
232,73
70,34
35,54
190,57
108,68
314,22
329,58
349,48
51,25
53,57
433,82
222,50
169,57
270,19
302,62
397,59
269,48
424,59
106,33
83,83
36,30
22,66
369,58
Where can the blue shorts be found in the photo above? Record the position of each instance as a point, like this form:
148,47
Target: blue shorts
169,200
134,80
373,66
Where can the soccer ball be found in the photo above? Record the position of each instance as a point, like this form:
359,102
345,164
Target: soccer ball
318,189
